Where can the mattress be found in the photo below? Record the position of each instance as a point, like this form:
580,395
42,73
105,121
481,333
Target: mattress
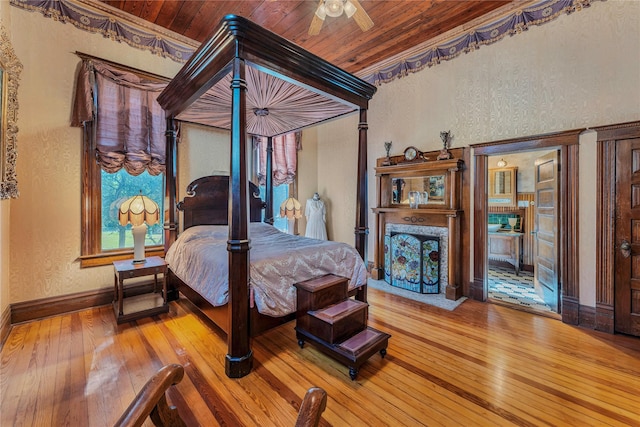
200,259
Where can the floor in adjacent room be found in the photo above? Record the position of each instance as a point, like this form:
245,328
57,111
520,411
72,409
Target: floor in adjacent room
507,287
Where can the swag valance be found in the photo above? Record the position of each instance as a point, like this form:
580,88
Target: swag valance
120,107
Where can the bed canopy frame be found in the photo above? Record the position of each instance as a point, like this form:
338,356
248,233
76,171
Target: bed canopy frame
271,87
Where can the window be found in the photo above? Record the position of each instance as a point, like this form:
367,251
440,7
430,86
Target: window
103,238
123,155
284,167
117,187
280,194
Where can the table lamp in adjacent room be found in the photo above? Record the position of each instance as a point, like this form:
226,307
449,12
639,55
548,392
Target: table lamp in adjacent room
291,209
138,211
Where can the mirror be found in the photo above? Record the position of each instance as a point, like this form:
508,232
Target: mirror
501,182
417,191
10,69
502,186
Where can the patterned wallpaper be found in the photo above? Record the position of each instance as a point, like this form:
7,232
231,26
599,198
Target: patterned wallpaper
550,78
45,228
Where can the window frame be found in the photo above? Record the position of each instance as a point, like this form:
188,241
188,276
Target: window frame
92,254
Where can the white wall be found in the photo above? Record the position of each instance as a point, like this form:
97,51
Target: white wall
581,70
308,173
337,172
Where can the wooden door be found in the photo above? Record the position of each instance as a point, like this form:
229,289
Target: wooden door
546,253
627,237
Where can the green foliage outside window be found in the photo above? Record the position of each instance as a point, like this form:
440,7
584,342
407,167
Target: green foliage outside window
118,187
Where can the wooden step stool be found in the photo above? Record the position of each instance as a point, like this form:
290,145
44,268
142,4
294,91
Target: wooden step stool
335,324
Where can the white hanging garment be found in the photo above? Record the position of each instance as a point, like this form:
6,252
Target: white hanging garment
315,213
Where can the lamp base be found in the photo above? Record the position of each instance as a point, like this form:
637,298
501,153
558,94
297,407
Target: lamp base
139,232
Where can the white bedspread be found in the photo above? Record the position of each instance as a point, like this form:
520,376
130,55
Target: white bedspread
199,258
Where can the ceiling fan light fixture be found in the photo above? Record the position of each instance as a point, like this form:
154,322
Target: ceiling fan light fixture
334,8
321,12
349,9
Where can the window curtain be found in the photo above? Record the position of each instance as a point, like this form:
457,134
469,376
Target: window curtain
129,123
285,157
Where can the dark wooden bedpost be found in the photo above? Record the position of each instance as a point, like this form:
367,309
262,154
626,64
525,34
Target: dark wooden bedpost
171,185
362,229
268,182
239,355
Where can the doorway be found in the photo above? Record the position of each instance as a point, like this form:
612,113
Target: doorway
522,218
565,144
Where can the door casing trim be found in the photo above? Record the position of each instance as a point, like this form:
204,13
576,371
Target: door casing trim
567,143
605,210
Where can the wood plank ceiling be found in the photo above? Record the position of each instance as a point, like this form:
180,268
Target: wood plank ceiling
398,24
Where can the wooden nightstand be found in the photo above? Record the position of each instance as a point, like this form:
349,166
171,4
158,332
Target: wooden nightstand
127,308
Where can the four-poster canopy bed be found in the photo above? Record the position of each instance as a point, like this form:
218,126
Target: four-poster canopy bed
253,82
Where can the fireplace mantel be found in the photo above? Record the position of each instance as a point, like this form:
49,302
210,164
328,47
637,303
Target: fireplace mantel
401,199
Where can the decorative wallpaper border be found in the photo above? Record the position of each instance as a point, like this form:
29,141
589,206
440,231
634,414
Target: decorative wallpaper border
96,17
516,22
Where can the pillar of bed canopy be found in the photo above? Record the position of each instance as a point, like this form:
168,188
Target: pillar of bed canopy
362,228
268,215
171,189
239,357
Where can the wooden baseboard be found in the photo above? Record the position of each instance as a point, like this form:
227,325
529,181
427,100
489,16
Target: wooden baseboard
5,325
476,289
45,307
587,317
604,319
570,310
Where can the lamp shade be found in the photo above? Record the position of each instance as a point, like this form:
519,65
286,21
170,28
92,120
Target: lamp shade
138,210
291,208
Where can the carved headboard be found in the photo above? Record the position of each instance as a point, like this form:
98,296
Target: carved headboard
207,202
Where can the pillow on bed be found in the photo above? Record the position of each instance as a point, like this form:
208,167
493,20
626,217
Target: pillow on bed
218,232
262,227
221,232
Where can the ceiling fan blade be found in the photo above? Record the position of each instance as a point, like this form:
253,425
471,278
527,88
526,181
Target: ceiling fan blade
361,17
316,22
316,25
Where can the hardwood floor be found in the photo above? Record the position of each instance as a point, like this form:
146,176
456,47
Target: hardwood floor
481,364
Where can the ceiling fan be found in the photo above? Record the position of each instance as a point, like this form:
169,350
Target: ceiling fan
335,8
